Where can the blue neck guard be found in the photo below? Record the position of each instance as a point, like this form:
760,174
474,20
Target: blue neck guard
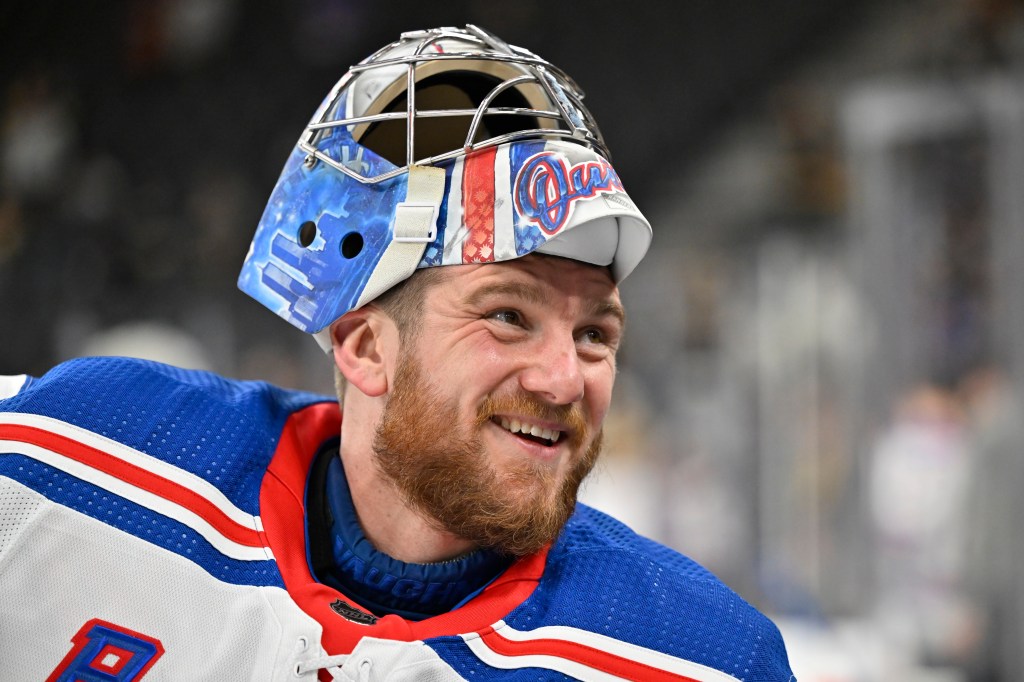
385,585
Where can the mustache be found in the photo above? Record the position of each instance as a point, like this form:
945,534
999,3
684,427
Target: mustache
571,417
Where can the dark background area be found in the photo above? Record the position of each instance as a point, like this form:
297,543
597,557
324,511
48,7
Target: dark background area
167,123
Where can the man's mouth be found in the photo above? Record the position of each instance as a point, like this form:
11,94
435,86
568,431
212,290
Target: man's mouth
530,432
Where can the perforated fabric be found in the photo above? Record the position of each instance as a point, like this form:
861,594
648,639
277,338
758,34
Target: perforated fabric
601,577
153,409
18,507
103,395
74,569
139,521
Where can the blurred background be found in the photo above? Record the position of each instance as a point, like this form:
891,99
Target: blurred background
819,395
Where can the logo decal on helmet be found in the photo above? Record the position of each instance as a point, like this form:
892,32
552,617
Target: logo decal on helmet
547,187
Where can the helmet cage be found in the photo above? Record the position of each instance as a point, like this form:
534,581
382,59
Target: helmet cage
559,111
509,162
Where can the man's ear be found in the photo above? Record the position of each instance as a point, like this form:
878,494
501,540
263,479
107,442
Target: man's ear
363,343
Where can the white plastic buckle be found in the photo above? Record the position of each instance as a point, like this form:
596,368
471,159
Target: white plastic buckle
416,222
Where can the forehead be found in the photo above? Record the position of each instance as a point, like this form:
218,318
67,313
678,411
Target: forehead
559,278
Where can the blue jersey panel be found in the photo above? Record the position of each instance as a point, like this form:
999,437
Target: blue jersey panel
603,578
224,431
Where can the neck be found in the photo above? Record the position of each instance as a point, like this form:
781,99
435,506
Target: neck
344,558
395,529
390,524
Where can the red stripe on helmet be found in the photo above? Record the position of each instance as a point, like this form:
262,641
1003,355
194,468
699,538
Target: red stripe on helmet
478,206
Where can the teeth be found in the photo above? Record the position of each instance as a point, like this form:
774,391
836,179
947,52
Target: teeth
515,426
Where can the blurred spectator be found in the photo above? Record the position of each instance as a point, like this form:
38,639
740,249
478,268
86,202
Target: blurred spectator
37,136
919,484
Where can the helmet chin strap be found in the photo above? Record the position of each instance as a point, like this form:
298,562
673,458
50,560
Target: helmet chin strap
415,227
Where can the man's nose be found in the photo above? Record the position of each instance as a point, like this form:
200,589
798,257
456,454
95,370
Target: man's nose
554,373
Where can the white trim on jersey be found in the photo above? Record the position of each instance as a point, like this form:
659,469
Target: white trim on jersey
166,476
548,638
11,385
574,670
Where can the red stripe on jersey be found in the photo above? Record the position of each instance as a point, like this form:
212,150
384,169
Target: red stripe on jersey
582,654
135,476
478,206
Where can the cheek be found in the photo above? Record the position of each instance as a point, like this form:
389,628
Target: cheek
484,362
598,393
470,373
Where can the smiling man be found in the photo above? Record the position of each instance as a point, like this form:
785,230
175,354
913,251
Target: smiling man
489,413
450,230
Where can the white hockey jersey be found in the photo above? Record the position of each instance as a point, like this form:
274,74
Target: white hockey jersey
152,526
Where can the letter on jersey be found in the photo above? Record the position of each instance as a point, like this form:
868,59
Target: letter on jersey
104,652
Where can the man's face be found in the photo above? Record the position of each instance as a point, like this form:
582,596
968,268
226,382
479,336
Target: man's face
495,409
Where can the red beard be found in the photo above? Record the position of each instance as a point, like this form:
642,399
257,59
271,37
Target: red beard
446,475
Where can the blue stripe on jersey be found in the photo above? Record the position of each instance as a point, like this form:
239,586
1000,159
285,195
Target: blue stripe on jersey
125,515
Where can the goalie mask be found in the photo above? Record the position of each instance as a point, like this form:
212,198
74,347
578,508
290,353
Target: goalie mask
446,147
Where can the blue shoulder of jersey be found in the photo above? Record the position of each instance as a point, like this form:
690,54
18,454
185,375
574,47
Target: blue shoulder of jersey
108,415
603,577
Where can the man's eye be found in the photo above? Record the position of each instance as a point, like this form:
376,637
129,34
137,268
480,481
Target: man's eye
593,336
507,317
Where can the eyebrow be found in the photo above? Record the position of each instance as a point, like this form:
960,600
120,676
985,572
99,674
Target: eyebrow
528,292
533,294
610,309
